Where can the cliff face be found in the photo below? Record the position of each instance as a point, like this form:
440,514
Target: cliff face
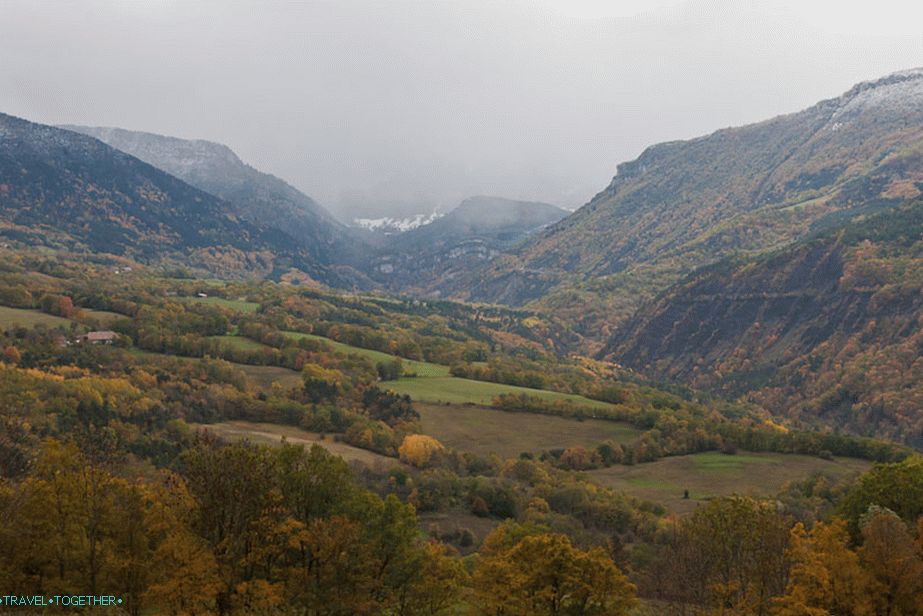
827,331
682,205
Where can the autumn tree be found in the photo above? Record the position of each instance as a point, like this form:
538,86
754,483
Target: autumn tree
728,555
889,555
826,576
524,571
419,449
10,355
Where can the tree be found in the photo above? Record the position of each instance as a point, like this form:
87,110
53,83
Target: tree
728,555
888,553
826,576
523,571
10,355
898,487
419,449
437,583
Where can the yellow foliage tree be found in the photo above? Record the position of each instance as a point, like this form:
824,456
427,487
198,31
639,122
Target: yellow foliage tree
419,449
826,576
542,573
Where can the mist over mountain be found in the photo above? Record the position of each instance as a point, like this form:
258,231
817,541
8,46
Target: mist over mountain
685,204
477,231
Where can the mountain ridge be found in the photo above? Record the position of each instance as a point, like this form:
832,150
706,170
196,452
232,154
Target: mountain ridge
684,204
257,196
69,189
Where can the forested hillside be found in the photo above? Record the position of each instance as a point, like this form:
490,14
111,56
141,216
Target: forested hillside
257,197
59,188
827,331
685,204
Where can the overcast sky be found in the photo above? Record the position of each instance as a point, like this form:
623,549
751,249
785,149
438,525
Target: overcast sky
436,101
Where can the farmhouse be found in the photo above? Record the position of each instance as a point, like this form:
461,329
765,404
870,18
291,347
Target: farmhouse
101,337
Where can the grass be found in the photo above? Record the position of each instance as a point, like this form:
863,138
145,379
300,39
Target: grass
272,434
487,431
239,343
19,317
104,317
410,366
237,305
263,377
453,390
712,474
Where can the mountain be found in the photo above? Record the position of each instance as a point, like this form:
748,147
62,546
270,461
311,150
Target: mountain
685,204
255,196
828,331
66,189
449,248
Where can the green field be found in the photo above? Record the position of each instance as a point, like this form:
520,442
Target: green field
484,431
237,305
18,317
104,317
272,434
454,390
239,343
420,368
711,474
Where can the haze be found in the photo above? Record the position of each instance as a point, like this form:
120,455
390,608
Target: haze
359,103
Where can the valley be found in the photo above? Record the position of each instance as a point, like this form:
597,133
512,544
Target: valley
701,385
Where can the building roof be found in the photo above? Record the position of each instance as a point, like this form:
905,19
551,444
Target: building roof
101,336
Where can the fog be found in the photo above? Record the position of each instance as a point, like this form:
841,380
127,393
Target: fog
362,103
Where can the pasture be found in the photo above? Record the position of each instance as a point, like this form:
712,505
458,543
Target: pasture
236,305
239,343
485,431
19,317
711,474
454,390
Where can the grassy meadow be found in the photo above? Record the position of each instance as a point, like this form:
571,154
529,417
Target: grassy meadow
454,390
485,431
19,317
237,305
712,474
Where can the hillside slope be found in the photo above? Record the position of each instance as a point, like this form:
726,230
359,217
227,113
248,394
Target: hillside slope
827,331
685,204
61,188
256,196
480,229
